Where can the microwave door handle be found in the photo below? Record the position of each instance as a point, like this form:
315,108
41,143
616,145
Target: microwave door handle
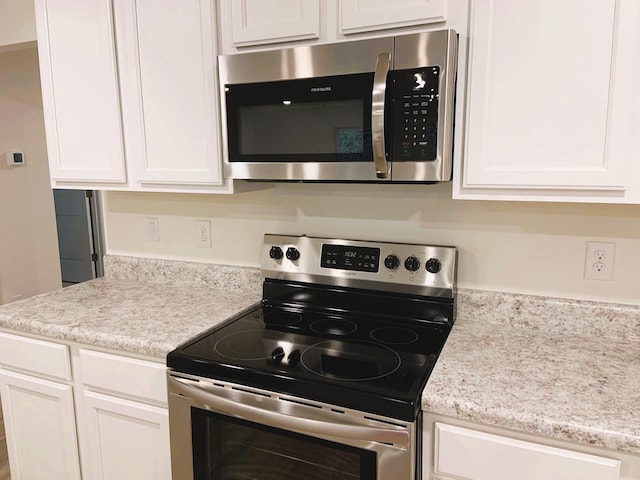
311,427
377,114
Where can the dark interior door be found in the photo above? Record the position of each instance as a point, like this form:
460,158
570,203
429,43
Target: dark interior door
75,238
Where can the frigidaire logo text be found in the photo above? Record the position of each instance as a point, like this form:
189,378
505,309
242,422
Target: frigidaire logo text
320,89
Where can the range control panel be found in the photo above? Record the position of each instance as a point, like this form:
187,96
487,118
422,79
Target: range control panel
345,257
411,268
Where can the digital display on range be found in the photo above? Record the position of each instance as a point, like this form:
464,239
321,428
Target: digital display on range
342,257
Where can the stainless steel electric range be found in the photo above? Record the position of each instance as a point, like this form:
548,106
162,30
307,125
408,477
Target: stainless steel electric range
323,379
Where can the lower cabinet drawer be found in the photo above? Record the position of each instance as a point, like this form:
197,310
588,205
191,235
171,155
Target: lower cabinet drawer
473,455
36,356
124,376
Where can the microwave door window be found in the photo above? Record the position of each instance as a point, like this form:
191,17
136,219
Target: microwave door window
331,129
299,121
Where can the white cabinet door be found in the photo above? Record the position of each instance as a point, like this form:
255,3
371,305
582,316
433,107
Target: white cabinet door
260,22
550,96
167,52
40,426
368,15
80,92
127,439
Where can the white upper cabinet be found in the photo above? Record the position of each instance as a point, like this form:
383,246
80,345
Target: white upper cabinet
129,94
367,15
258,22
552,101
246,24
80,92
167,69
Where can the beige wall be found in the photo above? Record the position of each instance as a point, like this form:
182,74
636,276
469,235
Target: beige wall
535,248
29,261
17,23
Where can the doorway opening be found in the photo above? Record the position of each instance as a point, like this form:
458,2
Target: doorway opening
80,238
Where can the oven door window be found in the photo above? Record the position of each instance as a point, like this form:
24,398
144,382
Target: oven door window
325,119
226,448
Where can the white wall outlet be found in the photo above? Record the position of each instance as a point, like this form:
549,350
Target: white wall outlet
153,229
598,261
203,233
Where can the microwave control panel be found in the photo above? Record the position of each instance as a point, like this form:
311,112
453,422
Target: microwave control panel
416,113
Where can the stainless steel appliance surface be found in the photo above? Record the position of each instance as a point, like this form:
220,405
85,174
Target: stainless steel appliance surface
377,110
324,378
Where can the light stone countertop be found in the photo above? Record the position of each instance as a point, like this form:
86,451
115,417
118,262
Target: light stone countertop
556,368
573,376
133,310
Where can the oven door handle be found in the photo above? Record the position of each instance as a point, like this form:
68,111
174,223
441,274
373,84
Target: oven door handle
377,114
193,389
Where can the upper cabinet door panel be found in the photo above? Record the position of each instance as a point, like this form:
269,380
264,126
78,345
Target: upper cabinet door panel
258,22
170,91
368,15
80,90
546,80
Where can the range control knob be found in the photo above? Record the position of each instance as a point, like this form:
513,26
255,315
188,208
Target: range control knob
392,262
277,355
293,253
412,263
276,253
294,357
433,265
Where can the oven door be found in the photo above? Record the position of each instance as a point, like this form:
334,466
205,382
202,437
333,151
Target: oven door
225,431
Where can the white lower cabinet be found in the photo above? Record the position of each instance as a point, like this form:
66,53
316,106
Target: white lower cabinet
473,455
108,421
40,427
127,439
456,449
125,417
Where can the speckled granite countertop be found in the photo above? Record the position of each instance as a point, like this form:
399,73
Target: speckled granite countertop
142,306
562,369
548,367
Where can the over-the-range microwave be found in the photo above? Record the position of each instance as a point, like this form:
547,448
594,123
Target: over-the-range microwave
378,110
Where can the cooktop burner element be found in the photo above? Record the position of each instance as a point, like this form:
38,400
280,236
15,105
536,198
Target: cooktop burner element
394,335
252,344
282,318
355,361
338,324
333,327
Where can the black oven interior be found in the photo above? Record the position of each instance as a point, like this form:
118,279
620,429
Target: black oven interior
231,448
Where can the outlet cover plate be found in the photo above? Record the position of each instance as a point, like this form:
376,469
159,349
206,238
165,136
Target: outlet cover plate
599,260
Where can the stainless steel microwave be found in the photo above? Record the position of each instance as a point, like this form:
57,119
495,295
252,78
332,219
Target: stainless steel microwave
378,110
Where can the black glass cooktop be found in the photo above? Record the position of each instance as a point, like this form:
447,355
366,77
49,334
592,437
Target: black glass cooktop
375,357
